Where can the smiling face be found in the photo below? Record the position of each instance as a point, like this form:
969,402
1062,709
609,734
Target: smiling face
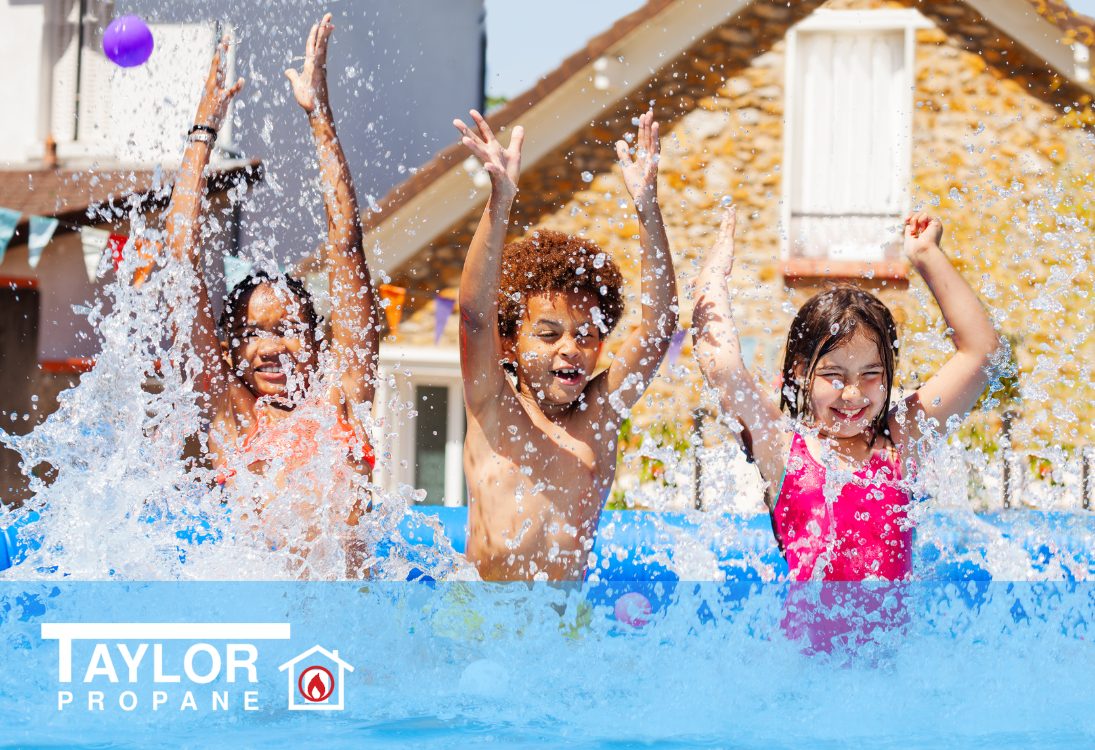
556,348
848,389
271,344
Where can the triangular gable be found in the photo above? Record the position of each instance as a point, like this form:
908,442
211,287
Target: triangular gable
1027,39
311,651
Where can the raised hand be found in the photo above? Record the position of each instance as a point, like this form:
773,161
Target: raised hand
641,172
720,258
213,107
922,232
310,85
502,164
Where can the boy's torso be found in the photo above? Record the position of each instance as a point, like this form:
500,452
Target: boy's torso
536,487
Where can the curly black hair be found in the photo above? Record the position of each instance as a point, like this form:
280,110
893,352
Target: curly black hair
550,261
239,295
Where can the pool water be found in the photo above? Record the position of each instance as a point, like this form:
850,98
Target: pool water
743,665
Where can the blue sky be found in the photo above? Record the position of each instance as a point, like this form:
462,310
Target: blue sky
529,38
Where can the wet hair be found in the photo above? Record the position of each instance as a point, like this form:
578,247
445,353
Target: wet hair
237,299
847,310
550,261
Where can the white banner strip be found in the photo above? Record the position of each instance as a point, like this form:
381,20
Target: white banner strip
166,631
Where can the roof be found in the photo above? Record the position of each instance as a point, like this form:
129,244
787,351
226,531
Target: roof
1076,26
620,60
70,195
332,655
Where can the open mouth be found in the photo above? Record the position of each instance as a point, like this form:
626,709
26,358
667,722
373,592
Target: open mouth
851,415
271,372
568,375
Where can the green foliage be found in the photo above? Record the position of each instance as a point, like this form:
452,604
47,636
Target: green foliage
650,470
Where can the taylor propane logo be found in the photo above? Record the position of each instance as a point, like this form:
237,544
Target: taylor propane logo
217,652
312,684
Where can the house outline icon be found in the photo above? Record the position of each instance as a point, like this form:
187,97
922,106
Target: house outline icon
307,706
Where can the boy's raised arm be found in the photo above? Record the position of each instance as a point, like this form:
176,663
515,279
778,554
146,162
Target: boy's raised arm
638,358
480,343
957,385
183,228
718,352
353,328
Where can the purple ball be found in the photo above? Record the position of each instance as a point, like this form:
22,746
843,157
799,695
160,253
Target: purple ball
127,41
633,609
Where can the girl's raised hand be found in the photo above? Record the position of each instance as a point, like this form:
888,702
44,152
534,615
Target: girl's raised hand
720,258
641,172
502,164
213,107
310,85
922,232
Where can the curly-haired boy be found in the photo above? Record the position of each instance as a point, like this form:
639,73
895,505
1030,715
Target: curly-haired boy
540,453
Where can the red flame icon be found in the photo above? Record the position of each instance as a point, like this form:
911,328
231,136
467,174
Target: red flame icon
318,689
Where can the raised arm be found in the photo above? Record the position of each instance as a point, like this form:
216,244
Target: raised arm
634,365
718,351
353,328
957,385
184,230
480,343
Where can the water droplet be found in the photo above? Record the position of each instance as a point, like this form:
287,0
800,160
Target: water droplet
587,177
835,329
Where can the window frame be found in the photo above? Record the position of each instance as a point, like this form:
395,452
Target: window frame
905,20
394,433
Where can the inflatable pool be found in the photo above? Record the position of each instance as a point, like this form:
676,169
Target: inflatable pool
671,546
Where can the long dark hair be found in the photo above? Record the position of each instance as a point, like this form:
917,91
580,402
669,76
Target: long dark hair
828,321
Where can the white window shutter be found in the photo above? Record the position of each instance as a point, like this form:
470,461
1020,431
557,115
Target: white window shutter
153,105
846,192
63,42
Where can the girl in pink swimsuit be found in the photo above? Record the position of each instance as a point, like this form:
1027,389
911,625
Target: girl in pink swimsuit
836,468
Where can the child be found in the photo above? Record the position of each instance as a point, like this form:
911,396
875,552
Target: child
540,453
833,469
260,381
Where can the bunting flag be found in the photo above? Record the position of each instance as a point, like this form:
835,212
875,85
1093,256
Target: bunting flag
94,242
442,310
318,284
236,269
117,243
675,346
41,231
146,250
8,220
393,311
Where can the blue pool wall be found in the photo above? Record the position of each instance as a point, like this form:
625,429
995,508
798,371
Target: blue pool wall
635,545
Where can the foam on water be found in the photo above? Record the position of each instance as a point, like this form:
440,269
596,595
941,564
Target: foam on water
514,665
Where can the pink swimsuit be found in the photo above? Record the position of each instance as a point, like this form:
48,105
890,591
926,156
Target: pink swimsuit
873,534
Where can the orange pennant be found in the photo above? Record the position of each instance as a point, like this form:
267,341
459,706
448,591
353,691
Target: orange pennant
394,311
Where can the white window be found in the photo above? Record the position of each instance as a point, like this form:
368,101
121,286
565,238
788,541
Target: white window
847,148
420,416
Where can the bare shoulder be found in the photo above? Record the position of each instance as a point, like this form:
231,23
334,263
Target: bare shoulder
494,414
